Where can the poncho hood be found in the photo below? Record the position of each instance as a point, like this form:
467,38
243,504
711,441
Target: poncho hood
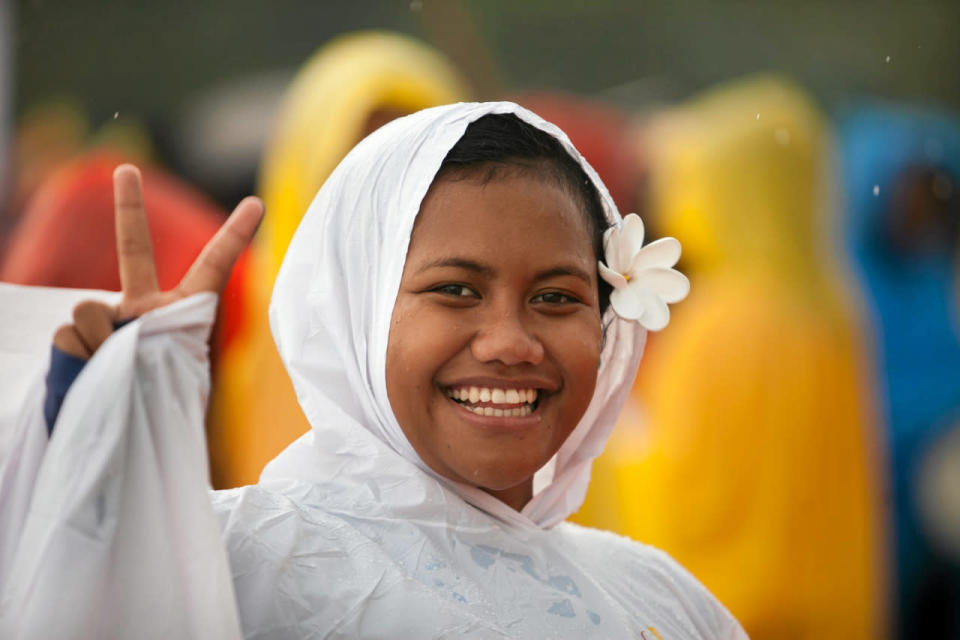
330,316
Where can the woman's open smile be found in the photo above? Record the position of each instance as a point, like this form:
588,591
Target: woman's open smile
499,399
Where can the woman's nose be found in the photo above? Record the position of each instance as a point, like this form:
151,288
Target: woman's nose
506,338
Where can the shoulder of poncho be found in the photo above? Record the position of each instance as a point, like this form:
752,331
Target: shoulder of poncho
244,508
614,546
635,571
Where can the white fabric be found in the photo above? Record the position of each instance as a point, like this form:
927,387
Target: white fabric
28,318
119,539
346,535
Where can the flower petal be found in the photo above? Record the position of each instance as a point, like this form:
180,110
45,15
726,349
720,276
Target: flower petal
611,250
668,284
656,314
632,302
660,253
614,278
631,239
627,303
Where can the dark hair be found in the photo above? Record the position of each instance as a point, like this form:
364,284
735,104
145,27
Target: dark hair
496,144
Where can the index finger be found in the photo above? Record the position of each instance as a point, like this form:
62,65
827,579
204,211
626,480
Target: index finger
138,273
211,270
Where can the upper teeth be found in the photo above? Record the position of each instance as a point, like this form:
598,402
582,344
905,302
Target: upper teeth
493,395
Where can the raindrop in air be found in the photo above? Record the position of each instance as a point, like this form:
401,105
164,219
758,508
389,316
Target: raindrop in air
116,114
876,190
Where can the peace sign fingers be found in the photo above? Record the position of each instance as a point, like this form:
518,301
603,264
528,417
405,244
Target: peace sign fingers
93,322
138,273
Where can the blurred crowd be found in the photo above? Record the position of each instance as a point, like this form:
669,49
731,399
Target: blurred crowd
793,438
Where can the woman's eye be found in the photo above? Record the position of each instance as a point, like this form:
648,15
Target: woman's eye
457,290
554,297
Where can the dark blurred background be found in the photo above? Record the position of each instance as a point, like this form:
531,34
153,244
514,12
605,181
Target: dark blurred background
148,57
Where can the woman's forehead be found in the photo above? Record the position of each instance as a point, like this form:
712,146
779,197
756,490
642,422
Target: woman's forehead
513,213
520,172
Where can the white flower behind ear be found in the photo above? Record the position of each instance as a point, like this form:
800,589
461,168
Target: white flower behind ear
643,279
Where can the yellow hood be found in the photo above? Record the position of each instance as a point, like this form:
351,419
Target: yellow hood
736,176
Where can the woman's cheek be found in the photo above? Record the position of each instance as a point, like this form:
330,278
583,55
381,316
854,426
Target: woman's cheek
577,350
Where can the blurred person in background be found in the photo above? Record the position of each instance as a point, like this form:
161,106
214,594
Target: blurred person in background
42,140
748,452
901,168
49,136
350,87
69,221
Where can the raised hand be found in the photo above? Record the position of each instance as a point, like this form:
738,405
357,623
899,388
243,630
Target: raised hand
93,321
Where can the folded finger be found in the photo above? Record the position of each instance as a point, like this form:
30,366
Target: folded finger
68,340
93,322
211,270
138,274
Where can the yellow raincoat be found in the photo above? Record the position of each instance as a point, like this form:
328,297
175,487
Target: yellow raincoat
350,87
749,451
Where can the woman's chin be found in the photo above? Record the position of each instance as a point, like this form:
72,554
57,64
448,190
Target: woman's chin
492,472
516,496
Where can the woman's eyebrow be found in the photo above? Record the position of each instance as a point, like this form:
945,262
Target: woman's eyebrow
486,270
564,270
460,263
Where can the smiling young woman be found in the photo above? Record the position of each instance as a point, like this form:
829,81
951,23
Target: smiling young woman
482,306
496,332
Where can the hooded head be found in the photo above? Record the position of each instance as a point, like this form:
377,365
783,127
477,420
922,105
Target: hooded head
337,291
901,169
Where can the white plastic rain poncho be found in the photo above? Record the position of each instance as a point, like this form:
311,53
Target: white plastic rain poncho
347,534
